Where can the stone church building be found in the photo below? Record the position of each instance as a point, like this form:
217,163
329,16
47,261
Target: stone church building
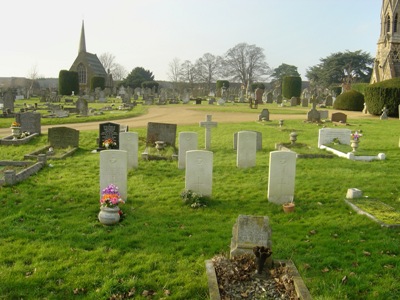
387,60
88,66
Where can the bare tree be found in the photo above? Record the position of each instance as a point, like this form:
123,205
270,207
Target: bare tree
174,70
245,63
32,75
187,73
108,61
119,72
206,68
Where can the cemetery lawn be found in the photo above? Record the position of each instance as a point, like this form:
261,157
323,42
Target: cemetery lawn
53,246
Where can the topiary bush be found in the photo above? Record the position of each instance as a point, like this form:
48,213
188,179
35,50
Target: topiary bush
68,82
350,100
291,87
97,82
384,93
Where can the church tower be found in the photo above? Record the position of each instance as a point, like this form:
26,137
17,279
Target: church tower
387,60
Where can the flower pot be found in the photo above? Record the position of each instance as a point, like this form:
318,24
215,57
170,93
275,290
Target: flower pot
288,207
354,145
109,215
16,132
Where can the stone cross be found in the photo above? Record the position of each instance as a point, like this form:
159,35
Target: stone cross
208,124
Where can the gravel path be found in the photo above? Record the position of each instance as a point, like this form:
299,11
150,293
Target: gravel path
182,115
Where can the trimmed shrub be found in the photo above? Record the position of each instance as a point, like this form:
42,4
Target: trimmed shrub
384,93
150,84
291,87
336,90
257,85
97,82
221,83
359,87
68,81
350,100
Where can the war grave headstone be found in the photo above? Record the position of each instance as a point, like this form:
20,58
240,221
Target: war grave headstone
208,124
246,149
258,140
281,176
199,172
187,141
108,131
114,170
129,142
249,232
160,136
339,117
264,116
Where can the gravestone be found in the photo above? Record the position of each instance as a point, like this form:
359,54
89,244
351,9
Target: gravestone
304,102
199,171
258,95
82,106
270,98
129,142
327,135
114,170
281,176
249,232
161,132
30,122
186,98
208,124
246,149
258,140
293,101
328,101
63,137
8,101
187,141
339,117
264,116
323,114
279,99
107,131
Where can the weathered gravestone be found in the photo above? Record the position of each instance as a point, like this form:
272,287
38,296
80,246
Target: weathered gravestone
107,131
187,141
199,171
129,142
264,116
30,122
258,95
8,101
258,140
270,98
161,132
249,232
327,135
323,114
63,137
114,170
339,117
328,101
208,124
246,149
281,176
82,107
293,101
304,102
313,115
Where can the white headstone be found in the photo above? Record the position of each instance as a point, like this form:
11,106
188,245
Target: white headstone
114,170
246,149
129,142
187,141
281,176
208,124
326,136
199,168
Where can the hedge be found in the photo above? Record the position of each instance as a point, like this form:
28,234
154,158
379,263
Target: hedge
291,87
384,93
68,82
350,100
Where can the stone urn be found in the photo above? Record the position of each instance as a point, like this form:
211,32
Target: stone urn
16,132
354,144
109,215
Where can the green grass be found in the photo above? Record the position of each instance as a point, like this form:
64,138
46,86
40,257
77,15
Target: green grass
378,209
53,246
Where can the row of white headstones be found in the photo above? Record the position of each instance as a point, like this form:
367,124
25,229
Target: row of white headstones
198,165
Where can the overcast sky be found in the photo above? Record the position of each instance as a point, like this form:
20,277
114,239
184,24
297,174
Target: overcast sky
44,34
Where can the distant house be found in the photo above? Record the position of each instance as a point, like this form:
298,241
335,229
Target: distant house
88,65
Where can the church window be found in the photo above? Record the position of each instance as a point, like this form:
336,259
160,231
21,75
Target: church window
395,23
82,74
387,24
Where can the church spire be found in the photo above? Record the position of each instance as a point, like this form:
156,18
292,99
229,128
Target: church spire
82,44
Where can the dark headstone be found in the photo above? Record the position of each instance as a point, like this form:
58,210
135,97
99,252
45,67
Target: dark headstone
63,137
30,121
339,117
161,132
109,130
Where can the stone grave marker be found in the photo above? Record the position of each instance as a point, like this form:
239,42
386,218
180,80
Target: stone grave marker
293,101
264,116
199,171
339,117
161,132
270,98
30,121
258,95
328,101
187,141
8,101
109,130
281,176
246,149
129,142
304,102
82,106
258,140
324,114
208,124
114,170
63,137
326,136
249,232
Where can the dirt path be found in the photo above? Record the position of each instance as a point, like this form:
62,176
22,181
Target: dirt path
182,115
